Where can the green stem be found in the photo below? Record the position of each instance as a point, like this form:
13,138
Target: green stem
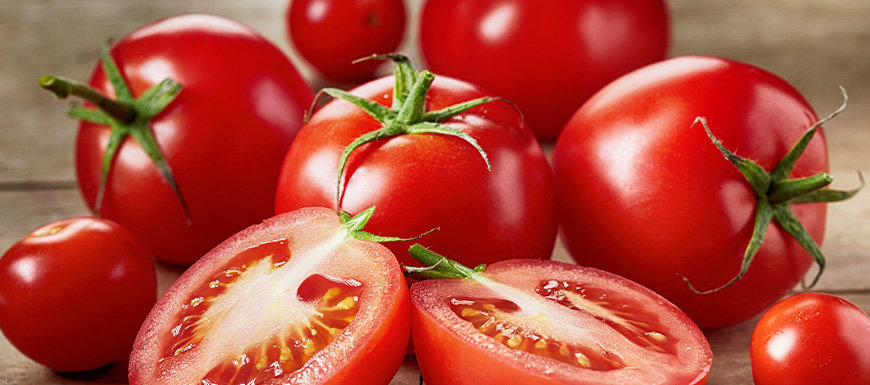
63,88
438,266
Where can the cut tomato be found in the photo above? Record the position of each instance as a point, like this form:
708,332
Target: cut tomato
297,299
544,322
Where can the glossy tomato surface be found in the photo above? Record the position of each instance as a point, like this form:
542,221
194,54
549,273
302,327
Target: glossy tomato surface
292,300
419,182
645,194
224,136
74,292
548,57
331,34
545,322
812,339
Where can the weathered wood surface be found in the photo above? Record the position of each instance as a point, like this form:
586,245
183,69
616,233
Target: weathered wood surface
815,44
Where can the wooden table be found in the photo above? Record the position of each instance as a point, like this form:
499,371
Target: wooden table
815,44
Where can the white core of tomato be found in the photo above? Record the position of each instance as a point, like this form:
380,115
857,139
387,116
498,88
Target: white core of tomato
262,289
530,306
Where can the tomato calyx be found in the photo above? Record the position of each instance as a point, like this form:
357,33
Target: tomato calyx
126,116
354,226
438,266
407,115
775,193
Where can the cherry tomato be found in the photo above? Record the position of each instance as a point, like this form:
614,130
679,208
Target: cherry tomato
812,339
223,136
646,194
296,299
426,180
331,34
545,322
548,57
74,292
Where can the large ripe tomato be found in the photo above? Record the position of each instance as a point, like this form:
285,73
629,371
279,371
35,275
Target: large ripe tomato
812,339
423,180
646,194
549,56
535,322
331,34
223,137
297,299
74,292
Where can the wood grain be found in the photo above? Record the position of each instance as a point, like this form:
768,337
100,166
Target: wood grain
814,44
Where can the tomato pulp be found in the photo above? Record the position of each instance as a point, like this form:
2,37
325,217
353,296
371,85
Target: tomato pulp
295,299
547,322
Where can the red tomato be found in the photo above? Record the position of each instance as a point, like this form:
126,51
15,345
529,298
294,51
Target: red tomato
646,194
548,57
812,339
545,322
296,299
223,136
74,292
331,34
420,181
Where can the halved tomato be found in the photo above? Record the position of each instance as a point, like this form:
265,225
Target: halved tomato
297,299
544,322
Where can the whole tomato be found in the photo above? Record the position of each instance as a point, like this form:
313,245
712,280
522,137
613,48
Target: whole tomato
211,108
812,339
302,298
426,164
647,194
551,55
73,293
332,34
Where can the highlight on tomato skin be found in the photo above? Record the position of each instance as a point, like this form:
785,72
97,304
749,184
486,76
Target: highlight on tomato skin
546,322
295,299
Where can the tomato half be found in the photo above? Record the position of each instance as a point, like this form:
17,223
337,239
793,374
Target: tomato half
223,136
545,322
74,292
331,34
420,181
812,339
646,194
548,57
293,300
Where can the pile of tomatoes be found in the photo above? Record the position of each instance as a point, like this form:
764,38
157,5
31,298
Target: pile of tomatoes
692,191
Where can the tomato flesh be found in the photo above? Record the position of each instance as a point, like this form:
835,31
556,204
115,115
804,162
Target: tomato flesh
276,303
545,322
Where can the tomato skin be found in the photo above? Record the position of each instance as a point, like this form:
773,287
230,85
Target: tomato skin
224,135
378,335
418,182
657,198
331,34
74,292
812,339
476,359
551,55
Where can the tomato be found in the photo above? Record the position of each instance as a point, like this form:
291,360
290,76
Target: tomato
331,34
296,299
74,292
548,57
812,339
646,194
422,180
206,165
545,322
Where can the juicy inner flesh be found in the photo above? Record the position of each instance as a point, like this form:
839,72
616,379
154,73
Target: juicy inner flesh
501,320
263,315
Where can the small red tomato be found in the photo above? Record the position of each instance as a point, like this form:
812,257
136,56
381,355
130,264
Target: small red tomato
536,322
812,339
547,56
214,109
297,299
73,293
331,34
425,163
